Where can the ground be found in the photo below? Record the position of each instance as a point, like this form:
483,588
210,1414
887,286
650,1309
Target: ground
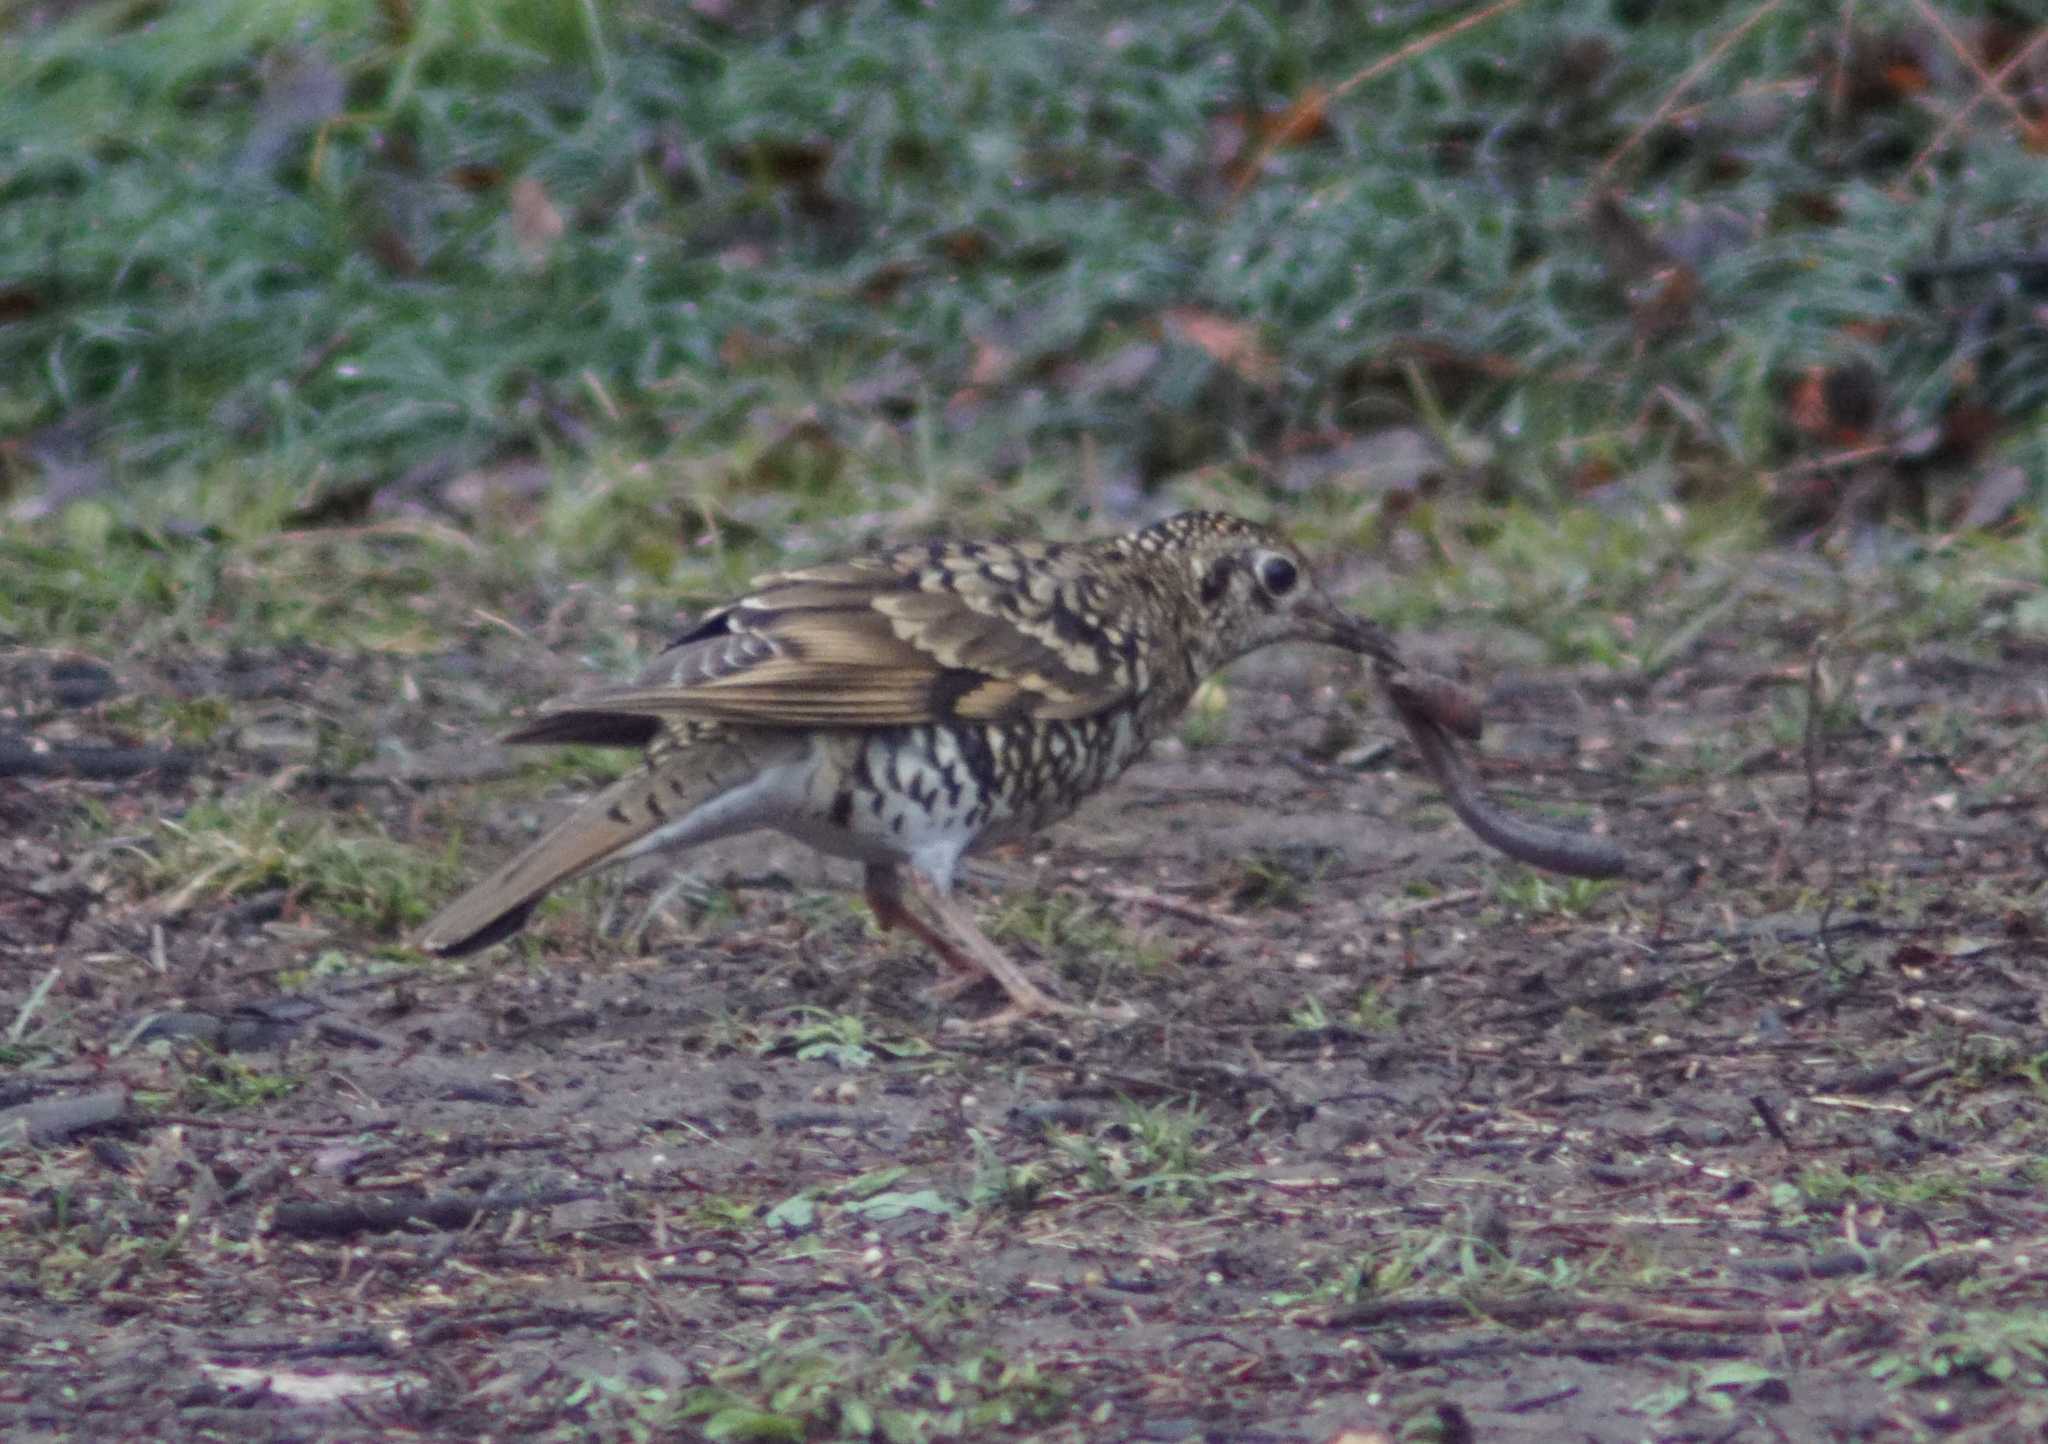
1405,1143
1676,375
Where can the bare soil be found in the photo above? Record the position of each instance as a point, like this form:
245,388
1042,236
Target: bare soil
1401,1146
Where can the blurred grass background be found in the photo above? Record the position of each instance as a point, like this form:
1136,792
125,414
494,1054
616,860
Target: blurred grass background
654,293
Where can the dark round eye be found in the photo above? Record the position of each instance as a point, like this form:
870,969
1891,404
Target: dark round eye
1278,575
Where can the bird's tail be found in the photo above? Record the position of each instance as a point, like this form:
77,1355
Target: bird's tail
594,833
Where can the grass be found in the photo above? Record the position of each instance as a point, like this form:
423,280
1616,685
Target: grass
223,1085
237,846
337,250
1080,935
811,1391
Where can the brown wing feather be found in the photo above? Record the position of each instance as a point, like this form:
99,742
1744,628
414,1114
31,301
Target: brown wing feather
923,635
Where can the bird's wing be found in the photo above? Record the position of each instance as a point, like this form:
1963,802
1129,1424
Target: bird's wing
928,634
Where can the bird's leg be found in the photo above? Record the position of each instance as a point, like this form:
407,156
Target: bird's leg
965,942
885,901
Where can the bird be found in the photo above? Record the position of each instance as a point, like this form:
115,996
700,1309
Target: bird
908,708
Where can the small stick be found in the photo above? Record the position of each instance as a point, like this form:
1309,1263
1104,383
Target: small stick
1772,1125
1174,907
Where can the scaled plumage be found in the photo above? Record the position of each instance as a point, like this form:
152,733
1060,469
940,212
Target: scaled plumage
906,708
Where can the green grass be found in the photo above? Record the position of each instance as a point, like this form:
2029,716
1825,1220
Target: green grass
813,1391
265,260
1077,933
344,869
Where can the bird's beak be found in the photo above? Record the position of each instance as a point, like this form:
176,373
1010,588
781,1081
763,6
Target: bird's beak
1326,622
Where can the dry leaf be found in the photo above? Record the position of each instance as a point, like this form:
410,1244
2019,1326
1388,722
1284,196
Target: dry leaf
991,363
1227,342
475,175
1967,427
965,245
536,224
797,163
739,347
1632,255
1841,405
18,303
886,281
1807,408
1665,304
393,253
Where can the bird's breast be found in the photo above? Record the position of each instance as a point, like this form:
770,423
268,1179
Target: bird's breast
894,792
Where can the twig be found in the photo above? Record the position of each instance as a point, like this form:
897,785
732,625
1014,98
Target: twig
1821,935
1174,907
1874,451
1664,108
1606,998
1986,82
1809,743
1420,45
1546,1307
1681,1316
1769,1115
1838,82
282,1130
1845,1264
28,759
1996,83
506,1320
405,528
446,1211
55,1119
1860,1105
1415,907
364,1341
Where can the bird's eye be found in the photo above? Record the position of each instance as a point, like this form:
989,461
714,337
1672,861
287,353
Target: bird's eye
1278,575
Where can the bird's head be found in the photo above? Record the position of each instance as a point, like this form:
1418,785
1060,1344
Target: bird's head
1250,587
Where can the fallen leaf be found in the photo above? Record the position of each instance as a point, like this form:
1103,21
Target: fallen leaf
798,163
393,253
1665,304
1632,255
1967,427
1807,407
1840,405
965,245
475,176
1228,342
536,224
18,303
886,281
991,363
739,347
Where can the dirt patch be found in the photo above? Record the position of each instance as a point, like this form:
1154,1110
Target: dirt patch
1405,1144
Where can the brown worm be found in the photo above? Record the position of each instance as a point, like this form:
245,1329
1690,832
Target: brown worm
1432,709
